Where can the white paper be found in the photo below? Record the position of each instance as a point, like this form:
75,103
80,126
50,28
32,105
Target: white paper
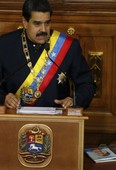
38,110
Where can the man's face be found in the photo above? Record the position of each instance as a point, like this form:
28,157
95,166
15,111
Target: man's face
38,27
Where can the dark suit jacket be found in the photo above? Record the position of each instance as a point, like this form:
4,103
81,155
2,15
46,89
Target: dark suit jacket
12,60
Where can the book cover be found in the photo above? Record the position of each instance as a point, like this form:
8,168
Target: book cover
101,154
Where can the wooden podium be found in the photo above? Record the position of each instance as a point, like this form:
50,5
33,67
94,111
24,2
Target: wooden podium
67,144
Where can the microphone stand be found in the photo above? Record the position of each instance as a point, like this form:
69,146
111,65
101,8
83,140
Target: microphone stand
74,95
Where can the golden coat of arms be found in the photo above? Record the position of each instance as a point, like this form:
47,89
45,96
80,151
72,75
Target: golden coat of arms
35,145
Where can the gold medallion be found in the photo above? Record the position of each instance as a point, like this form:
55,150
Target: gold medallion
37,94
26,94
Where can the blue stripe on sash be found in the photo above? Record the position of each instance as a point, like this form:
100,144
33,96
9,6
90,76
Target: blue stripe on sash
53,54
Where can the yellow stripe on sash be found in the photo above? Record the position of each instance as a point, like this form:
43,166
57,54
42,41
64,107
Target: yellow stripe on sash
39,64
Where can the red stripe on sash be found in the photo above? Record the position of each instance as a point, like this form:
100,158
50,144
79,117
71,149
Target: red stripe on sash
60,57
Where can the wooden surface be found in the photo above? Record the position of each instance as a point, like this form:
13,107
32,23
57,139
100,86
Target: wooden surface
68,135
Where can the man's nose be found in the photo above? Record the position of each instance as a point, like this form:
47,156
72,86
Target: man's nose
43,29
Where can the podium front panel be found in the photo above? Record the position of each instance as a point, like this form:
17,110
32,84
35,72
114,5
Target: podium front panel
67,147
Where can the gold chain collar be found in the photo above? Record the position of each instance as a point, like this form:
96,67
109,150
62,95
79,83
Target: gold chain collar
26,52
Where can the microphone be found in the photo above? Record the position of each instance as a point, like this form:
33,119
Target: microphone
13,73
47,48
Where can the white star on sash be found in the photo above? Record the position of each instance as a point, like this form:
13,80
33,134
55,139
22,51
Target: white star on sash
53,54
49,62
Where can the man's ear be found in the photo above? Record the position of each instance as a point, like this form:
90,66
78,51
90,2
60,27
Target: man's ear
24,21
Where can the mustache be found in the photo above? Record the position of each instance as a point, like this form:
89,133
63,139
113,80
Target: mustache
41,34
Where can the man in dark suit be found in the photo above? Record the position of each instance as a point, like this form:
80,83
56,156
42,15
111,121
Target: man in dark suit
38,62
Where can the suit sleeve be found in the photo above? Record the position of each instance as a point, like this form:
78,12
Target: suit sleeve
81,75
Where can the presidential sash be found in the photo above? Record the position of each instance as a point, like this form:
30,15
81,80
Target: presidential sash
44,69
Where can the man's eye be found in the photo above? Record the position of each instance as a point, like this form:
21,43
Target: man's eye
36,23
47,22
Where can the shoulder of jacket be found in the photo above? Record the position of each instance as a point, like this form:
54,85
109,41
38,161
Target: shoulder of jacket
11,34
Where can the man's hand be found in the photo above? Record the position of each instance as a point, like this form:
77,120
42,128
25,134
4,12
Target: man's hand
67,102
12,101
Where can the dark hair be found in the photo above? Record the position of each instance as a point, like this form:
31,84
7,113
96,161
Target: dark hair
35,5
